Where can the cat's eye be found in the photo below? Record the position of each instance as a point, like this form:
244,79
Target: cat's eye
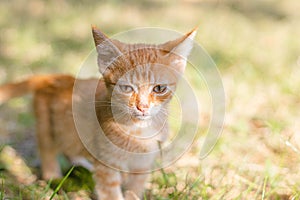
126,88
159,89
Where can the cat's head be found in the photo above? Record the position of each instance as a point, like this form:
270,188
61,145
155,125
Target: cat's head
141,78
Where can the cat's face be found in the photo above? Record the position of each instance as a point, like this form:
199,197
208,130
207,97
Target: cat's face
141,79
142,92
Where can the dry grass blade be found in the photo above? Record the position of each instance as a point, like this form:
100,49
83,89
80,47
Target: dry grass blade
15,165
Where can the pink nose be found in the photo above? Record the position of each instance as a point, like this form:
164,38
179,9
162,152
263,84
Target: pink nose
142,107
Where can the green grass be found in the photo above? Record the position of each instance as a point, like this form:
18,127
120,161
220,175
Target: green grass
59,186
79,178
2,187
255,45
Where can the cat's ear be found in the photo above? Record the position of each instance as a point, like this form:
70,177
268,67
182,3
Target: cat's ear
179,49
106,49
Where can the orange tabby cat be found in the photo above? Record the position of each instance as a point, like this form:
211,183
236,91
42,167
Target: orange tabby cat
130,104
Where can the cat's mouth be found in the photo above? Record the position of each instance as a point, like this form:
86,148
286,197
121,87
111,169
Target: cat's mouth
143,117
139,116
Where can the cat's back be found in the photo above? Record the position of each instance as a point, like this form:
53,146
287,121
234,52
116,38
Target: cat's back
62,88
51,83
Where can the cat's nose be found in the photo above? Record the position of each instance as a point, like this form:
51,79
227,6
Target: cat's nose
142,107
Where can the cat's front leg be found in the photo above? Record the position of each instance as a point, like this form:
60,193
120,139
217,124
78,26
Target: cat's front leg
135,183
108,183
129,195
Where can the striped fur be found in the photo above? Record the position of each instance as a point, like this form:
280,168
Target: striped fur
131,102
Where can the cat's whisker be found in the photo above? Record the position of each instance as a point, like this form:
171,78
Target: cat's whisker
172,112
108,102
171,116
114,100
99,102
120,116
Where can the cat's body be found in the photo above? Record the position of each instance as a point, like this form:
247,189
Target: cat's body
130,104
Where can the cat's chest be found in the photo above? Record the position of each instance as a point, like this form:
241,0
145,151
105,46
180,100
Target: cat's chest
139,132
142,131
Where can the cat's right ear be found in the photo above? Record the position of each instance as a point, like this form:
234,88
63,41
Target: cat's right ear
107,51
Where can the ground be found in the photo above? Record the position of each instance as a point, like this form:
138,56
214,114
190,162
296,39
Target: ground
255,45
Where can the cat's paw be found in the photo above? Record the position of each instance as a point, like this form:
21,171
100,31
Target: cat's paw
129,195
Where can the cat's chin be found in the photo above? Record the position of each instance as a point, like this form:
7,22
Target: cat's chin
142,121
142,117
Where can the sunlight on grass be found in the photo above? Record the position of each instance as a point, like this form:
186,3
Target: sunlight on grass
255,45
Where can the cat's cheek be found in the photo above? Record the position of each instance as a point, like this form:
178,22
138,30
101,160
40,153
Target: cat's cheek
155,109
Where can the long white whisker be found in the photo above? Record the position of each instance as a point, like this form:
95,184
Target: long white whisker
167,114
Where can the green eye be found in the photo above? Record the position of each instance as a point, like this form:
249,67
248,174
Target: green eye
159,89
126,88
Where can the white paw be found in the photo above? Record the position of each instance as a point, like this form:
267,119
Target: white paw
129,195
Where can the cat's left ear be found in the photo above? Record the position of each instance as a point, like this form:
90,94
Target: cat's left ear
179,49
107,50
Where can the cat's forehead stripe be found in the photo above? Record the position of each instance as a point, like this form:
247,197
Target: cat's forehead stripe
140,75
142,54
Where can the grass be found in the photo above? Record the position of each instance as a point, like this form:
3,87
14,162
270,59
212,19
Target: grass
256,48
59,186
2,188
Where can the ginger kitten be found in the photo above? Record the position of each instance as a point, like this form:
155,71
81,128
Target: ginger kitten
130,104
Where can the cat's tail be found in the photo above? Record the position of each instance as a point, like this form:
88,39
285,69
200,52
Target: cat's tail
12,90
35,83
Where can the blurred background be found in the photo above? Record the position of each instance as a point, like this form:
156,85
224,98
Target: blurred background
255,45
